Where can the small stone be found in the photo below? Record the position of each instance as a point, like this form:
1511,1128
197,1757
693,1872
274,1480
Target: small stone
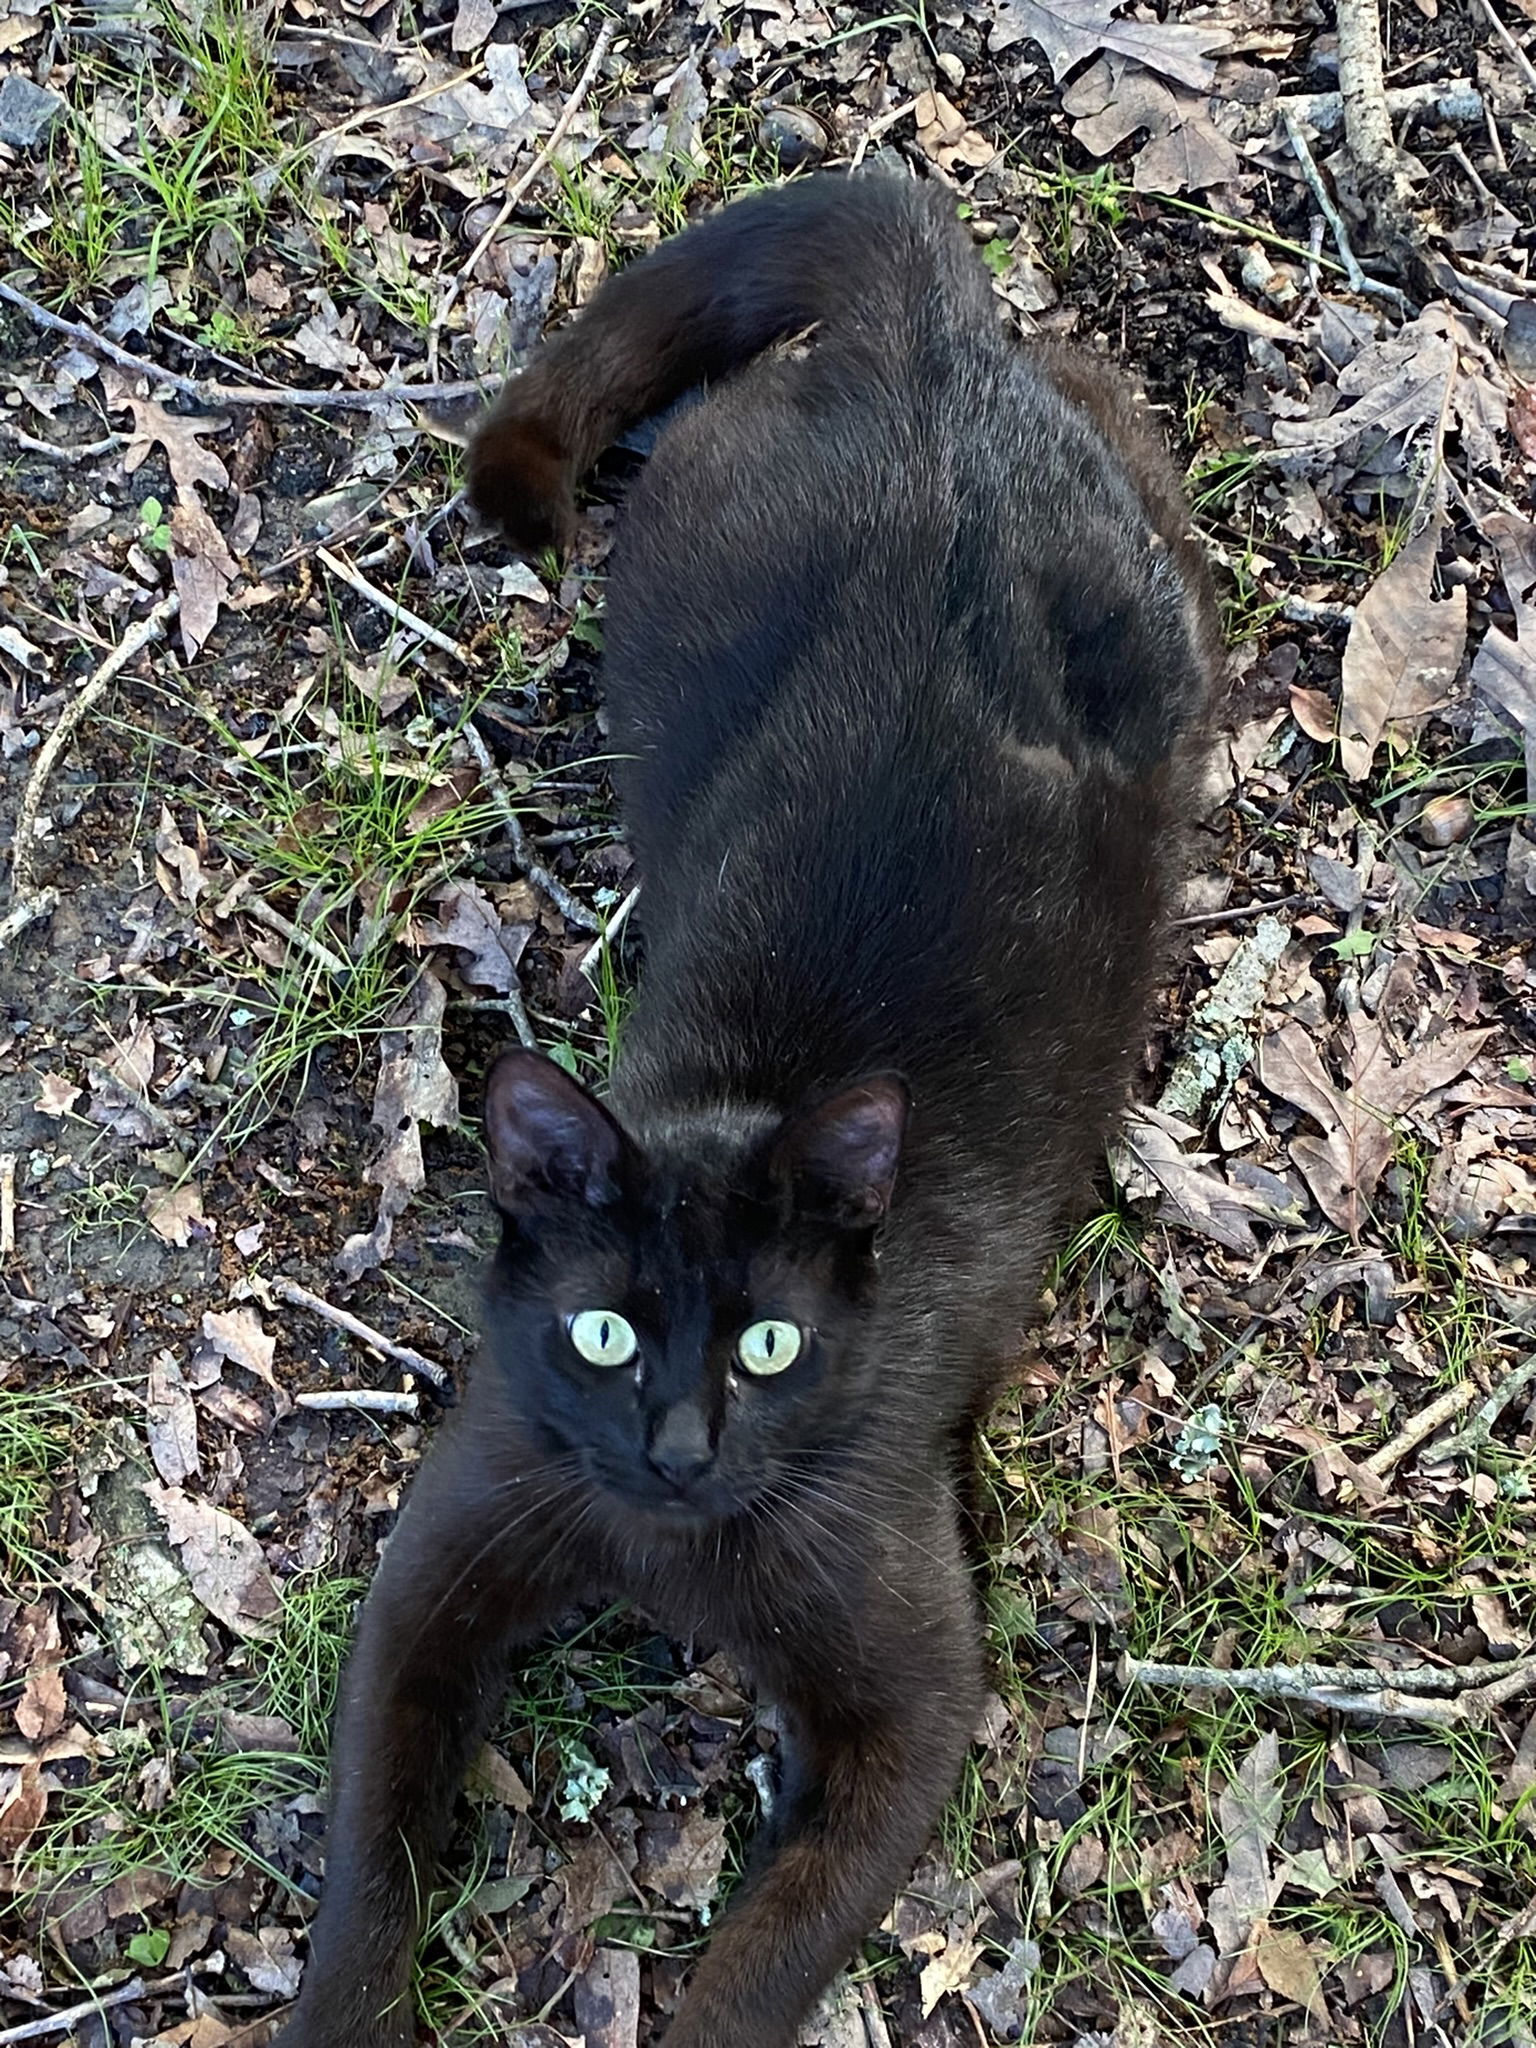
951,67
27,111
795,137
1444,820
1520,340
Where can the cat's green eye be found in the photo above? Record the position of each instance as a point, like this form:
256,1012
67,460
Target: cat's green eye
602,1338
765,1348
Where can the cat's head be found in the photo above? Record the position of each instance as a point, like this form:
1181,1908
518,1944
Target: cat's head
684,1321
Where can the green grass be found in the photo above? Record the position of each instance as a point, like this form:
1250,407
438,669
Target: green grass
34,1449
1077,209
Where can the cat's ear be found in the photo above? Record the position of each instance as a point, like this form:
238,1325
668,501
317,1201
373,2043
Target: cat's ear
546,1136
837,1159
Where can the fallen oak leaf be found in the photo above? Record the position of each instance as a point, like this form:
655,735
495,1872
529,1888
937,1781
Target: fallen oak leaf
415,1087
1343,1166
1248,1811
1186,152
176,1216
190,462
1071,31
238,1336
202,569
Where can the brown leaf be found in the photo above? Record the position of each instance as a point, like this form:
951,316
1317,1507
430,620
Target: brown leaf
1151,1160
468,921
171,1421
415,1087
22,1813
237,1335
42,1708
190,462
1343,1166
681,1856
1249,1813
224,1563
174,1214
492,1774
1505,668
1071,31
472,25
1288,1967
56,1096
1400,661
202,569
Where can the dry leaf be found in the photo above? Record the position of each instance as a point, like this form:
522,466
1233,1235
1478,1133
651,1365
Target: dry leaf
1505,669
1343,1166
681,1856
56,1096
467,920
267,1958
415,1087
1402,655
1150,1161
202,569
949,1970
237,1334
190,462
1071,31
43,1707
22,1812
1288,1967
171,1421
179,858
472,25
224,1563
176,1214
1249,1814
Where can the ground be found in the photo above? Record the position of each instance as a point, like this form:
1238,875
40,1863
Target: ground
339,826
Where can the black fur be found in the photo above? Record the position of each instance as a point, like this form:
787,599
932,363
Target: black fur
906,636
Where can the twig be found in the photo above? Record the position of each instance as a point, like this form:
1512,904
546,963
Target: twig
1314,177
522,851
1457,100
520,186
1241,911
207,392
1514,49
23,846
1413,1432
274,920
876,2032
372,1400
61,2022
398,612
512,1005
7,1204
1447,1699
62,451
290,1291
610,931
1480,1428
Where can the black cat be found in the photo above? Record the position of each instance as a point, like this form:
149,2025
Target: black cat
906,639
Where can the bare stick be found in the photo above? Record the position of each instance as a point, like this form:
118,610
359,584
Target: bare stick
1383,180
1320,193
23,846
1445,1699
7,1204
512,1005
397,611
1239,912
207,392
306,942
62,451
290,1291
610,931
547,884
519,188
1480,1428
371,1400
61,2022
1418,1427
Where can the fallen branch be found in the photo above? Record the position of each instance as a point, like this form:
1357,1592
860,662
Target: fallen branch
207,392
547,884
511,1005
400,613
32,903
1480,1428
290,1291
519,188
1418,1427
1380,171
306,942
61,2022
1522,61
1453,103
371,1400
1444,1698
609,932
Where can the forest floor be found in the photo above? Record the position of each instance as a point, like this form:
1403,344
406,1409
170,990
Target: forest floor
269,922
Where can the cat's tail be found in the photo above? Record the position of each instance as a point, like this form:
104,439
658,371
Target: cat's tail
831,249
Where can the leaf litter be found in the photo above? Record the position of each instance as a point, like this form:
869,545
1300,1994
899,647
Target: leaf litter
1274,1420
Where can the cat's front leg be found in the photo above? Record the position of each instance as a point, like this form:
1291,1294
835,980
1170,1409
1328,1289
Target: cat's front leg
877,1752
472,1568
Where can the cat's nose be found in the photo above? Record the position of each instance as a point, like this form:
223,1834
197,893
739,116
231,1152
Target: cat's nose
680,1447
